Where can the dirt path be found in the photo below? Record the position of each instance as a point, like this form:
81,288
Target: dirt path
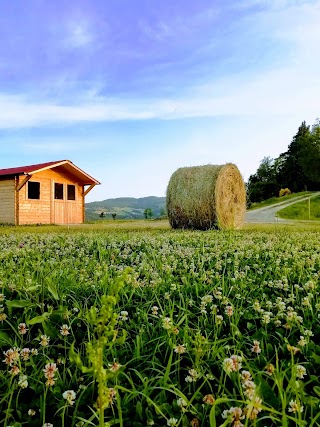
268,214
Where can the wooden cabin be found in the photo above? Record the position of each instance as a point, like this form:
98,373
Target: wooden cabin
46,193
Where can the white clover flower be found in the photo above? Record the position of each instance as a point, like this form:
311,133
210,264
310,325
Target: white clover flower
256,347
182,402
11,355
295,407
265,318
253,408
167,323
22,329
172,422
64,330
70,396
25,354
300,372
114,367
235,414
123,315
217,294
14,370
44,340
256,306
249,388
206,299
302,342
229,310
180,348
155,310
245,376
227,365
23,381
219,319
214,309
236,360
31,412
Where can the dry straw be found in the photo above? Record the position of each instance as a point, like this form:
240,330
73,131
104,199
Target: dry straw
204,197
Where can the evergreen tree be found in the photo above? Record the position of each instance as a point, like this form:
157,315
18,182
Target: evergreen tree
263,184
292,171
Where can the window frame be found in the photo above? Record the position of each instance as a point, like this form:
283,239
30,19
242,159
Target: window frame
39,189
55,193
75,193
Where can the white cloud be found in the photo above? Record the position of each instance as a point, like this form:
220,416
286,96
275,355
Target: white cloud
78,34
292,88
279,92
48,146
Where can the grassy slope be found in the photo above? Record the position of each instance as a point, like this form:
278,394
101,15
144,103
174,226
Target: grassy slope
125,207
160,226
300,211
275,200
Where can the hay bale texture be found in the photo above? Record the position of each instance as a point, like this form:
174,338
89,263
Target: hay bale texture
204,197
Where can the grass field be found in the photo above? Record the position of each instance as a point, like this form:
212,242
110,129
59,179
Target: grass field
300,211
104,326
275,200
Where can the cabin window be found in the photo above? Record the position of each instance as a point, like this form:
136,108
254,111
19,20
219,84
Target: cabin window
33,190
71,192
58,191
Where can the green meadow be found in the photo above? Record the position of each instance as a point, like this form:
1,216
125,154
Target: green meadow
306,210
133,324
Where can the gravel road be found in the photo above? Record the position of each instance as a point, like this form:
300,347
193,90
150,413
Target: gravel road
267,215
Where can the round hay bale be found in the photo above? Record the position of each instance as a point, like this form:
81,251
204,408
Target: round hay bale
204,197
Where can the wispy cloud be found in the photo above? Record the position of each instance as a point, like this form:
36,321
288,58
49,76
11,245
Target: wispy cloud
279,92
51,146
78,35
291,86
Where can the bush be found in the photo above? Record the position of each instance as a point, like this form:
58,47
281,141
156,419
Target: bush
284,192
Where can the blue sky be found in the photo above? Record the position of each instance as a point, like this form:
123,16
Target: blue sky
131,90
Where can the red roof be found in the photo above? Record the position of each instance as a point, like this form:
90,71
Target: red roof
21,170
66,164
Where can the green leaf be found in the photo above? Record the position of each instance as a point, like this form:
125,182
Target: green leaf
316,358
38,319
75,357
166,409
4,338
185,421
316,389
33,288
312,401
18,303
53,291
268,395
139,410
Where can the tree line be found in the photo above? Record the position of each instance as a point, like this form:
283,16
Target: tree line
298,169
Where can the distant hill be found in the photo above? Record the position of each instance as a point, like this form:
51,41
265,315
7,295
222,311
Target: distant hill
125,207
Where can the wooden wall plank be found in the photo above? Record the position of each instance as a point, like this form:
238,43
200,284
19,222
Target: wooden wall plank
43,210
7,201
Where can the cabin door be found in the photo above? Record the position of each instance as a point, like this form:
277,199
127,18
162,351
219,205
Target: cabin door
59,211
59,204
71,212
